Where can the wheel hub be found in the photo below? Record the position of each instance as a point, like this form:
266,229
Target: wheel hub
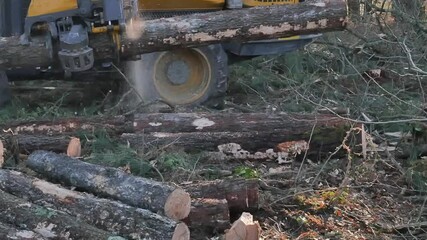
182,76
178,72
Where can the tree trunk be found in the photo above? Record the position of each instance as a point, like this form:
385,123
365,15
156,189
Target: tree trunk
194,30
241,194
127,221
253,131
8,231
324,140
45,221
113,183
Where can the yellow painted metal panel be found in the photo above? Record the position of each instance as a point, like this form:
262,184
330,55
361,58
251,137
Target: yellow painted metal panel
43,7
253,3
180,5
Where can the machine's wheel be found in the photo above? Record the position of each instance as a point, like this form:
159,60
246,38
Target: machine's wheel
182,77
5,94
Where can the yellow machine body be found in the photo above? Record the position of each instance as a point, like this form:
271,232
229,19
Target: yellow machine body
45,7
254,3
181,5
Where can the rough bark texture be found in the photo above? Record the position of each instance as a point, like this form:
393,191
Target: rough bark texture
109,182
47,222
11,232
201,29
16,55
238,25
325,139
211,215
179,122
241,194
124,220
253,131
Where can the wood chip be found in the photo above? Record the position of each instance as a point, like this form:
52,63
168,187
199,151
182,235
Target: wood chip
245,228
74,148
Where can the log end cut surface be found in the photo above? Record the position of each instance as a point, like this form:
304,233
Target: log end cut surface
182,232
178,205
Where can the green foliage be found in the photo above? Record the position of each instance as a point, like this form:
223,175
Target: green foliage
105,151
174,160
23,111
246,172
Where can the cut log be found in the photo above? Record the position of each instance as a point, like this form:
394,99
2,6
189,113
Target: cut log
46,221
210,215
154,196
182,232
245,228
17,55
253,131
180,123
240,194
324,141
11,232
113,216
195,30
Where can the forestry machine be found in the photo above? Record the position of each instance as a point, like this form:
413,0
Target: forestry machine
186,76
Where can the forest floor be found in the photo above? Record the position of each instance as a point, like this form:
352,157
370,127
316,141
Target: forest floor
375,193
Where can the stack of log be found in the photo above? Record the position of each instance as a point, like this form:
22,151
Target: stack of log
80,200
191,131
73,198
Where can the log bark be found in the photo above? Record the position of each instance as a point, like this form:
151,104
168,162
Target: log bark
211,215
113,183
16,55
11,232
194,30
253,131
113,216
45,221
241,194
178,123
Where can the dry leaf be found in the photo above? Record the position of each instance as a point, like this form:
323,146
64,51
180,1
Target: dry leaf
1,154
292,147
74,148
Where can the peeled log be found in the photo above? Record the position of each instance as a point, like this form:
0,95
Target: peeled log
45,221
127,221
113,183
195,30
